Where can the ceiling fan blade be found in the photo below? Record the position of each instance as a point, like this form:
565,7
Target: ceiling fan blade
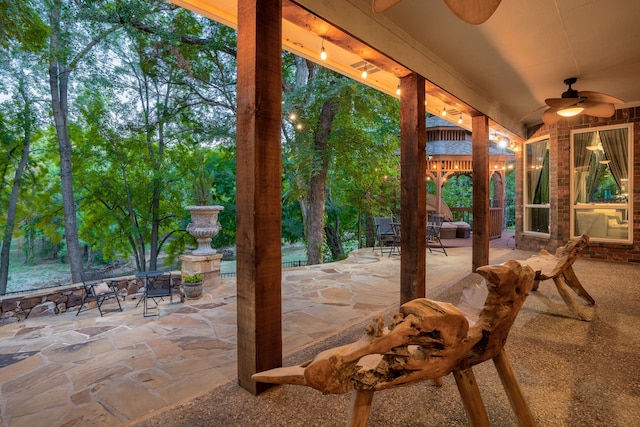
550,116
561,102
530,113
473,11
598,109
381,6
599,97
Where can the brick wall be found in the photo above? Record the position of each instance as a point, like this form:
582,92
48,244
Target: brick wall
560,191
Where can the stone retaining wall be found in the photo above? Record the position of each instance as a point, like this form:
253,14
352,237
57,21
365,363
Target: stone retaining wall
53,301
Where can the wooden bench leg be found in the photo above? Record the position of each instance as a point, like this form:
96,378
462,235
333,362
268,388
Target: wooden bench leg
563,289
360,408
536,283
571,279
513,390
470,394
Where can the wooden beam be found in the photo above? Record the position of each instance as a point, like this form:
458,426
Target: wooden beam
258,176
480,157
413,184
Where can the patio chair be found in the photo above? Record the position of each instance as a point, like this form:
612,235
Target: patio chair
395,245
433,234
387,237
156,289
96,289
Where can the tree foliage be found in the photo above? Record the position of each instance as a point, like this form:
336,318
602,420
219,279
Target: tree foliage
126,100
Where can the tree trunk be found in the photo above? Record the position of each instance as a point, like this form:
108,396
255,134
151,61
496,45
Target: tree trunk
334,242
13,200
315,220
370,231
58,82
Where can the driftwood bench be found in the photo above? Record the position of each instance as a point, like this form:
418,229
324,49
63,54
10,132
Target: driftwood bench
559,268
425,341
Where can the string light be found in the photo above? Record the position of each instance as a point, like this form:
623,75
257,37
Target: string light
323,53
444,110
398,89
460,119
364,71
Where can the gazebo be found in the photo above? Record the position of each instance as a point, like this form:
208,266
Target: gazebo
449,153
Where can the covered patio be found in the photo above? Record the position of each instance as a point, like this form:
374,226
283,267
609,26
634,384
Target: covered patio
483,73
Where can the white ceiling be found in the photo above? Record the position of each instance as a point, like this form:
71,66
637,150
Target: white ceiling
505,67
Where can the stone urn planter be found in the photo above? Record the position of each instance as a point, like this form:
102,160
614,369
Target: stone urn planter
192,286
204,226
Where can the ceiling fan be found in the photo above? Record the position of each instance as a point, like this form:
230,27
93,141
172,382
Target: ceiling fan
572,103
470,11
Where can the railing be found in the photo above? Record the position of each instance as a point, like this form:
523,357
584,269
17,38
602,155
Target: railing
285,264
495,223
462,214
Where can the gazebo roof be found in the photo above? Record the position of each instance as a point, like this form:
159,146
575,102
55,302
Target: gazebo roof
463,148
446,139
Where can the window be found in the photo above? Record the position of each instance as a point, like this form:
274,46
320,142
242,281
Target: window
601,183
536,186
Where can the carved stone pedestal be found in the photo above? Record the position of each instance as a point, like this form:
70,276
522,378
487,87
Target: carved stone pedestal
207,265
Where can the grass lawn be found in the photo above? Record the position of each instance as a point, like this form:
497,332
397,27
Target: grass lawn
295,252
47,272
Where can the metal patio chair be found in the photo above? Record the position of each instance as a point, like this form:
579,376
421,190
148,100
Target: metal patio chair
156,288
386,236
98,290
433,234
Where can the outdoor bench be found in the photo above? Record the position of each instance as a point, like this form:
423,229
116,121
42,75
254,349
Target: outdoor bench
559,267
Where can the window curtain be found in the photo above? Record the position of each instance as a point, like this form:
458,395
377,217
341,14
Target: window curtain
536,154
581,159
542,192
614,144
594,171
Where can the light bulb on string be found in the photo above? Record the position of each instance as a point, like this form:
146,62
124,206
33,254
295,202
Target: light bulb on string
398,89
323,53
460,119
444,110
364,72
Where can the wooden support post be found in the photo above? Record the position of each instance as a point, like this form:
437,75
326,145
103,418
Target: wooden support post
259,226
480,158
513,390
360,408
413,184
471,399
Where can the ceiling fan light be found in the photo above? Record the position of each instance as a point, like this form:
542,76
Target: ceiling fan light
570,112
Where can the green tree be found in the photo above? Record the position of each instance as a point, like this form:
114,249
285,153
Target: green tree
18,154
329,116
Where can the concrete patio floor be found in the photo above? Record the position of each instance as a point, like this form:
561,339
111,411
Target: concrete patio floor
113,370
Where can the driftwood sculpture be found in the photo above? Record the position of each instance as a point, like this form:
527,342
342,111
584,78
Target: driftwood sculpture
559,268
425,340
